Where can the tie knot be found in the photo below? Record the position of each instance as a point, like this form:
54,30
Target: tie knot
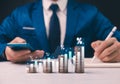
54,7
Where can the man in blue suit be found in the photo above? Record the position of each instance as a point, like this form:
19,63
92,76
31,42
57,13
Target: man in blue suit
30,23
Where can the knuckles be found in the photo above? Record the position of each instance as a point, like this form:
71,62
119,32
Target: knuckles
117,45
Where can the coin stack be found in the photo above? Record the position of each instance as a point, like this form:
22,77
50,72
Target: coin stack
47,66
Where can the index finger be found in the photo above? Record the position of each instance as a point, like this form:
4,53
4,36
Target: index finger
95,44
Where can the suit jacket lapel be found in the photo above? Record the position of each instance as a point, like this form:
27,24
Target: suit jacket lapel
38,23
72,19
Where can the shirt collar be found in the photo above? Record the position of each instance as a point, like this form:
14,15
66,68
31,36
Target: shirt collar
61,3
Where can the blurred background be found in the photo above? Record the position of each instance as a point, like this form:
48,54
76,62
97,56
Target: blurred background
110,8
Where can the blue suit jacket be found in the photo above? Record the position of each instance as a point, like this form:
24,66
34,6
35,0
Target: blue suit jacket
83,20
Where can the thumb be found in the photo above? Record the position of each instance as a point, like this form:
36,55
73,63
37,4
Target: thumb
18,40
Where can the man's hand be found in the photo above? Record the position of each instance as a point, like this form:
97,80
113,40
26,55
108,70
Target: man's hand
108,50
21,55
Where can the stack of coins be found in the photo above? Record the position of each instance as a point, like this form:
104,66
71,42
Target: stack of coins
47,66
32,67
79,56
63,64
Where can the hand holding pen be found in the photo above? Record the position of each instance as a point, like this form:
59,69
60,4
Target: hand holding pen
108,50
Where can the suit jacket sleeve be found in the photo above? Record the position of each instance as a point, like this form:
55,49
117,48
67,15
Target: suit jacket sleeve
103,26
7,33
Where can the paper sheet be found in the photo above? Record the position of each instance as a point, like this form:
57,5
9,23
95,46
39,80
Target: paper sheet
88,64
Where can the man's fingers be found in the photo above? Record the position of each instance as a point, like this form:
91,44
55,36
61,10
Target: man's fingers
104,45
20,53
96,44
111,53
14,55
21,59
108,51
37,54
110,58
33,55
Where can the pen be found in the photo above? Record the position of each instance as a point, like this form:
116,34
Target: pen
109,36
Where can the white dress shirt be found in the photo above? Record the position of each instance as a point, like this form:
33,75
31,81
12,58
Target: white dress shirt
61,15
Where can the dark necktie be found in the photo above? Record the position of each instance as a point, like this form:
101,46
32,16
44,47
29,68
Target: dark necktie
54,29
